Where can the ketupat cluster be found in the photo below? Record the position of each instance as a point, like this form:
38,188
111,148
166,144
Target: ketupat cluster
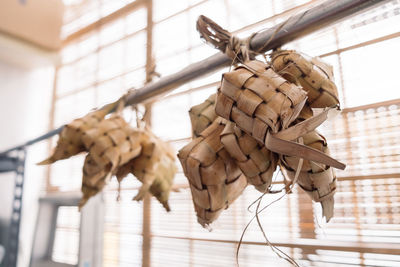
268,121
114,148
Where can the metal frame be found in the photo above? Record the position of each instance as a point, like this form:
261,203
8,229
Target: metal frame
297,26
17,165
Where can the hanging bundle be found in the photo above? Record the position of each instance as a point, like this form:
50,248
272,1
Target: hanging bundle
265,120
253,158
202,115
154,167
114,148
315,77
214,178
70,139
110,144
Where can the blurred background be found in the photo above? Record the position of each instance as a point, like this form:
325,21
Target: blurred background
60,59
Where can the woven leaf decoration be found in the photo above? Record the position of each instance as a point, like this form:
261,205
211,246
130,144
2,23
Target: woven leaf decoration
114,148
253,158
93,181
154,167
110,144
265,119
317,180
202,115
258,100
70,139
214,178
315,76
261,107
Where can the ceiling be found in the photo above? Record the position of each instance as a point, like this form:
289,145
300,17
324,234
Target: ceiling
38,22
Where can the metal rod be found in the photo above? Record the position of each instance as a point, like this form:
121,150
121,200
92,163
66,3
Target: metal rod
295,27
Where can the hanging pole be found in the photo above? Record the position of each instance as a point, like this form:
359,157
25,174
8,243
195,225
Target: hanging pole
297,26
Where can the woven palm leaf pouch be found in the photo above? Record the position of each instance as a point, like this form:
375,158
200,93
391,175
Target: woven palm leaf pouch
70,139
110,144
154,167
263,104
256,162
314,75
253,158
214,178
202,115
316,179
258,99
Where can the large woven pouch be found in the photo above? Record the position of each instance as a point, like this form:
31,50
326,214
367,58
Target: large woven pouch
263,104
316,179
154,167
111,143
253,158
258,100
315,76
202,115
214,178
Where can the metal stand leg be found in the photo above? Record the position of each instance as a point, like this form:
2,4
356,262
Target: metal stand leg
11,255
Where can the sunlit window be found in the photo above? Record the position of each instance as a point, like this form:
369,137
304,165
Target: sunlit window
100,64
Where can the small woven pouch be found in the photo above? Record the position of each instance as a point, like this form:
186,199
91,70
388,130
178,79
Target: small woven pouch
110,144
202,115
214,178
70,139
253,158
317,180
315,76
154,167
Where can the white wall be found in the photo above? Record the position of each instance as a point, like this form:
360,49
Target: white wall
25,98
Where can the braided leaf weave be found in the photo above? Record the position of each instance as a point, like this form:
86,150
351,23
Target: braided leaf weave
214,178
253,158
70,138
154,167
202,115
315,76
110,144
257,99
316,179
